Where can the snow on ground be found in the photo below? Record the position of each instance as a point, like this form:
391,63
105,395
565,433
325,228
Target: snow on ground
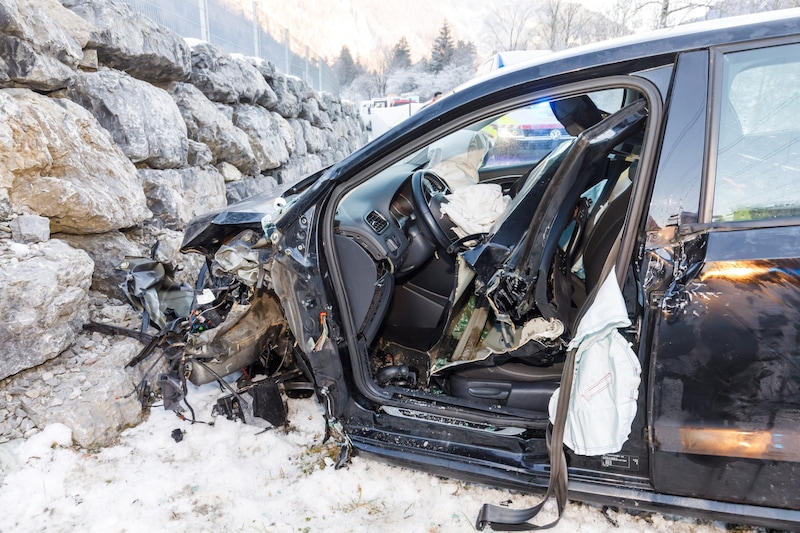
231,478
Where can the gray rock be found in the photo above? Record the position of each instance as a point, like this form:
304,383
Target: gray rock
40,43
229,172
285,131
107,250
199,154
30,229
239,190
177,196
143,120
224,78
300,147
267,69
97,414
206,124
49,292
316,140
267,134
288,104
127,41
300,167
299,88
326,100
6,209
58,162
311,112
89,61
21,65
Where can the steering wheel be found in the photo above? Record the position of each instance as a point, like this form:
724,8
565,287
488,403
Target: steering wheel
425,187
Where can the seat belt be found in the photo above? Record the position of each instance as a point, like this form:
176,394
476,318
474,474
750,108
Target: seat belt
505,519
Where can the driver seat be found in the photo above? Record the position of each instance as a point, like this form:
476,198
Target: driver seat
520,385
514,385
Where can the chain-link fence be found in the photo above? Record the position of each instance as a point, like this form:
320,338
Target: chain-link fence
244,30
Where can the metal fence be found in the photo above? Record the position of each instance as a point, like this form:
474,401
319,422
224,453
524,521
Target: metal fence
241,27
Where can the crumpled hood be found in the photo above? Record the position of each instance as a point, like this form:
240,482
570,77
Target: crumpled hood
203,234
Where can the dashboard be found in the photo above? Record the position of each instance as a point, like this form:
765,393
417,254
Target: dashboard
379,215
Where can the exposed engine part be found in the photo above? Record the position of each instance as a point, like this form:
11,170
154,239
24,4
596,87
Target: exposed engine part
229,322
246,333
244,256
259,403
171,391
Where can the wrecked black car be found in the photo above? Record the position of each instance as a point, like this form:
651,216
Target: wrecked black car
617,320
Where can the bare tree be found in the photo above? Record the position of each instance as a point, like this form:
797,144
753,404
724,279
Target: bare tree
562,23
667,13
381,63
618,21
726,8
511,25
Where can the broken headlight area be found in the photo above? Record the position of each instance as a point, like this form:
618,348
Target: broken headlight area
231,322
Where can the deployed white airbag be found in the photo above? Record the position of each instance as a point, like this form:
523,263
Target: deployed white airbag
475,209
607,373
457,158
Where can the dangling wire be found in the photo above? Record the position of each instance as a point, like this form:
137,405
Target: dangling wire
323,323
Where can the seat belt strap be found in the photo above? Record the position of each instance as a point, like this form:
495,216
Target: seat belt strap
505,519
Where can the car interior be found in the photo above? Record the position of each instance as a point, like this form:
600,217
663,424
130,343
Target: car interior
485,317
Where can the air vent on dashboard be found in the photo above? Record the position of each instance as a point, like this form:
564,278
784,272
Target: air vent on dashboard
376,222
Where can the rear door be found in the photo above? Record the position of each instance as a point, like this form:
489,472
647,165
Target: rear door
724,285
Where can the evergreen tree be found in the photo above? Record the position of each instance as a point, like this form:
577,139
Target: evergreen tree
345,67
465,54
401,55
443,49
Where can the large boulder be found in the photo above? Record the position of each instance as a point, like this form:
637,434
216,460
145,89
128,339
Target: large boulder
239,190
40,44
285,132
312,113
267,69
143,120
177,196
207,124
288,104
225,78
300,147
316,140
267,133
57,161
47,286
127,41
300,167
84,388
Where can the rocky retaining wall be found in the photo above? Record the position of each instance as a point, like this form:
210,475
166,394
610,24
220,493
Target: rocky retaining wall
114,133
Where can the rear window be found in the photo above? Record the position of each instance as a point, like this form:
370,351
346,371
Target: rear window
758,155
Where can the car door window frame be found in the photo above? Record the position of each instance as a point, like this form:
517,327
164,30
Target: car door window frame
361,373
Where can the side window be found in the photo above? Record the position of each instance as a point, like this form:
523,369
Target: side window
758,156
